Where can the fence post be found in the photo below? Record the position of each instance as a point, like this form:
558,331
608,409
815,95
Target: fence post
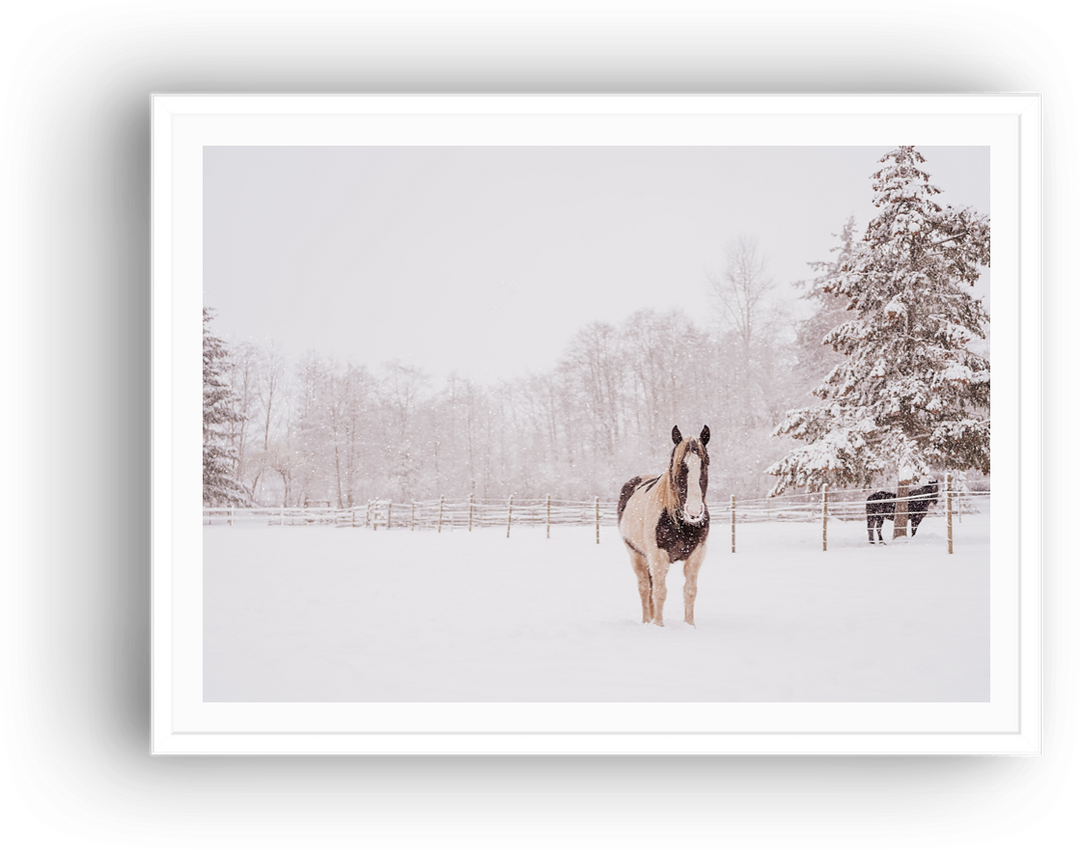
509,514
549,516
230,516
412,518
470,510
597,519
367,514
375,517
441,498
389,509
948,507
825,518
733,522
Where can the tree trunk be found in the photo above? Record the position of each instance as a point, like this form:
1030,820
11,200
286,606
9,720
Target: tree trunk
901,513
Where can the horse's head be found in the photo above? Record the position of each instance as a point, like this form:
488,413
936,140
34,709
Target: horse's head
689,473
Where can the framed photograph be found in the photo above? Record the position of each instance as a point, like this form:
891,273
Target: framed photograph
482,241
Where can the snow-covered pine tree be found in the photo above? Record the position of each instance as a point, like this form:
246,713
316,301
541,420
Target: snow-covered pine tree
220,486
910,396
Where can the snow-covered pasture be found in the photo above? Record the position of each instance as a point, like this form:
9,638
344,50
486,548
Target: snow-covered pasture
350,614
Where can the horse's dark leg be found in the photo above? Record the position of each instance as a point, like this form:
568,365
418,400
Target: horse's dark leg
873,524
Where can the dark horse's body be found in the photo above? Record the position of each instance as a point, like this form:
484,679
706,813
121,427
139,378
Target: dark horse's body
882,506
664,519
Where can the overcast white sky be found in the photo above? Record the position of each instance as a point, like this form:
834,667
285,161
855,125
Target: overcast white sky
485,260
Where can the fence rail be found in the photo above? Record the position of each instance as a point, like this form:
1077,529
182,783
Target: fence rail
445,515
431,514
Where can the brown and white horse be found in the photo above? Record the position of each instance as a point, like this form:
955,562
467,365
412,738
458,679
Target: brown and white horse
664,519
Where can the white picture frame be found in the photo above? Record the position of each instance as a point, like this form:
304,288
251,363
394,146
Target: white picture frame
182,724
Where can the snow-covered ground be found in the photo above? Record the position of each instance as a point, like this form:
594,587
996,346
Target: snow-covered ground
326,614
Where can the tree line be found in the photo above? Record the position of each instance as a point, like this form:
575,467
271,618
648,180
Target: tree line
885,351
323,430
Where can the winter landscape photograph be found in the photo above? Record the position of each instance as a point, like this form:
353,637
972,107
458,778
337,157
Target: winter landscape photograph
596,424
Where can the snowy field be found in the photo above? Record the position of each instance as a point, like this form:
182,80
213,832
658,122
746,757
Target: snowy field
326,614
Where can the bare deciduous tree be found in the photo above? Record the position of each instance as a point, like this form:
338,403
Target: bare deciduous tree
754,331
744,292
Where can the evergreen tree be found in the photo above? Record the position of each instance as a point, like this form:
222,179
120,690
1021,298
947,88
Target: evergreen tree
220,486
909,396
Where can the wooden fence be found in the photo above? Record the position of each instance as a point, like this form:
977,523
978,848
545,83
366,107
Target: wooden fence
465,514
437,515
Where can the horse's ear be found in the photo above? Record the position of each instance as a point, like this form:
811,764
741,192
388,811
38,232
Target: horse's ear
676,435
705,436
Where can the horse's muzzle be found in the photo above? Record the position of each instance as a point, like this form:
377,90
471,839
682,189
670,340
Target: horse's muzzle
694,520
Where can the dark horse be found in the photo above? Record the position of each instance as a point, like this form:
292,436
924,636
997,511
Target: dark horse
663,519
882,506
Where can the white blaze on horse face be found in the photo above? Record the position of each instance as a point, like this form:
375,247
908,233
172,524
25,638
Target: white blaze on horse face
694,509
